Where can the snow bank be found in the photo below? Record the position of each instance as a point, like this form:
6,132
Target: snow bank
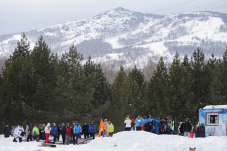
127,141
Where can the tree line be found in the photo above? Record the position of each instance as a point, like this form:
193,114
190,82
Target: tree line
39,87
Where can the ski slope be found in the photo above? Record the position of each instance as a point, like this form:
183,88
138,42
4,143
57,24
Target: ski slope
127,141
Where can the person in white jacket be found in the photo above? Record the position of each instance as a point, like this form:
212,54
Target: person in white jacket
128,123
19,133
47,132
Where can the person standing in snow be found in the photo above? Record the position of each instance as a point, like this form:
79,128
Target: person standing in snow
180,129
63,132
59,132
47,132
6,131
35,133
54,131
171,123
77,131
147,124
106,124
165,124
73,136
132,125
138,123
187,128
128,124
85,130
15,129
110,129
92,129
157,124
67,134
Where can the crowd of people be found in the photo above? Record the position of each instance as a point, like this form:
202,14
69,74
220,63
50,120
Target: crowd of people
69,133
158,125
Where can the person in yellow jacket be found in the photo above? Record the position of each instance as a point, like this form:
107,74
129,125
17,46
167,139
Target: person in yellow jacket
35,133
110,129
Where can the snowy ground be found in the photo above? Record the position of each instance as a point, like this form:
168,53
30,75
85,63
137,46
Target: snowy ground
130,141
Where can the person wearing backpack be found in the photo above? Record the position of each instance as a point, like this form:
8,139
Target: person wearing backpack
35,133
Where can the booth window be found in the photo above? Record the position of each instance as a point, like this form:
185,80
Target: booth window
212,119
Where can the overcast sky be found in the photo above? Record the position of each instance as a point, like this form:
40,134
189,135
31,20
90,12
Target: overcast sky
25,15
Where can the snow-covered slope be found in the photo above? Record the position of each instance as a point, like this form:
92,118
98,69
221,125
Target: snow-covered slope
127,35
127,141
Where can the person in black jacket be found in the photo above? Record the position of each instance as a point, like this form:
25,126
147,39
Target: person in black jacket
63,132
85,130
6,131
187,128
59,131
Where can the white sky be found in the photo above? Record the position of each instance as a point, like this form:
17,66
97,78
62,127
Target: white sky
26,15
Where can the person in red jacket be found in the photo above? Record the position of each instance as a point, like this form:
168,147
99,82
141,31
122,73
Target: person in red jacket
68,134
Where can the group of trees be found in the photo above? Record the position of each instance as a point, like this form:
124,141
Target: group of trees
39,87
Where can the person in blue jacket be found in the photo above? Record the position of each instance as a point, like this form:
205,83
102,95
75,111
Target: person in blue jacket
54,131
77,130
92,130
147,124
157,124
138,123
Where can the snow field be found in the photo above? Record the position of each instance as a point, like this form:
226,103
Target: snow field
127,141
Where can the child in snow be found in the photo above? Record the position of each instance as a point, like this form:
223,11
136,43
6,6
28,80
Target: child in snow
35,133
128,123
6,131
110,129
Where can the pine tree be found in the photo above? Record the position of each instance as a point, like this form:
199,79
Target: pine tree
157,90
121,96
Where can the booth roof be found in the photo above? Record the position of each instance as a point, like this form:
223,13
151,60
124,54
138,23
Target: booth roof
215,107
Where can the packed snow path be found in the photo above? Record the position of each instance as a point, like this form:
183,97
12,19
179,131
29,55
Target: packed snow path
130,141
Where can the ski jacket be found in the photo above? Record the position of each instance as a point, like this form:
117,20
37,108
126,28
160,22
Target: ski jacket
59,131
187,127
54,130
92,128
157,123
77,129
85,129
137,121
63,130
68,131
171,123
47,129
110,128
128,123
18,131
35,130
6,131
30,127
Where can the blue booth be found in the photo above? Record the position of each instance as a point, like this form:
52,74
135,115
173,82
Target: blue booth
214,118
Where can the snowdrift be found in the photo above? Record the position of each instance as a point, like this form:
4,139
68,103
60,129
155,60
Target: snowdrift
127,141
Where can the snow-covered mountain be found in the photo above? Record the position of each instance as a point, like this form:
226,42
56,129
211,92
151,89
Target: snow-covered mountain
132,37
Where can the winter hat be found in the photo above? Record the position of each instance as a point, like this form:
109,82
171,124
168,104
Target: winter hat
27,123
54,123
20,124
180,122
7,124
138,114
170,116
59,124
67,123
35,124
92,122
109,122
105,119
76,121
166,119
160,118
63,124
40,125
48,124
187,118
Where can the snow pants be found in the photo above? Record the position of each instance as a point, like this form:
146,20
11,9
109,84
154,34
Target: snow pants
138,128
63,138
187,134
77,136
67,138
47,137
157,130
86,135
92,135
